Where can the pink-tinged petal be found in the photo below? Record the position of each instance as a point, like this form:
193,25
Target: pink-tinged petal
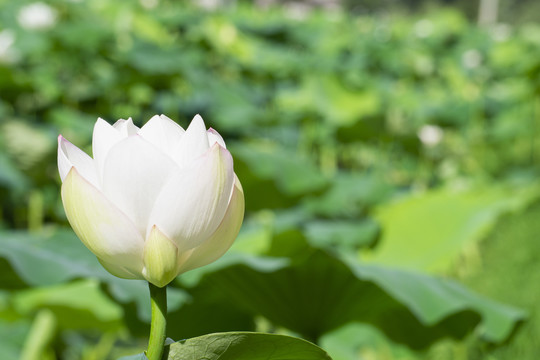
101,226
214,137
224,236
134,174
69,155
126,127
162,132
193,202
193,144
104,138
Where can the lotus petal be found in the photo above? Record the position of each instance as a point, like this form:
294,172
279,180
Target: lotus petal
194,200
101,226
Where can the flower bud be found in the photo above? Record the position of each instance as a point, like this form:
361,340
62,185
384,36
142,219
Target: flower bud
155,201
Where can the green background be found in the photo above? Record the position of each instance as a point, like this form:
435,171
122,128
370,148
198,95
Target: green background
362,234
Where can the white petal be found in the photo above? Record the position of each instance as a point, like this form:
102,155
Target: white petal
162,132
193,202
69,155
120,271
134,174
101,226
126,127
224,236
193,144
104,138
168,119
214,137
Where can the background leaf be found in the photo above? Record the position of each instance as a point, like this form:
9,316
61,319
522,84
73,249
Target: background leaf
240,346
429,231
409,307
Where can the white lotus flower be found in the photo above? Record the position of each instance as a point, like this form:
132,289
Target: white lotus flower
430,135
153,202
37,16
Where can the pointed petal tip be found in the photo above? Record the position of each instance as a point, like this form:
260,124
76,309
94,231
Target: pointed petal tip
217,146
74,173
160,258
214,136
217,150
238,184
61,140
197,119
118,123
166,118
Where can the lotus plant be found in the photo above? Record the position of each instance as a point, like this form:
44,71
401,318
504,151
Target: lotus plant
153,202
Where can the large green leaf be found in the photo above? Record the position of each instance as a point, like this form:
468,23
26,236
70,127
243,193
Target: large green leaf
76,305
246,346
56,255
358,341
344,235
49,257
318,292
433,299
208,311
429,231
12,335
510,272
241,346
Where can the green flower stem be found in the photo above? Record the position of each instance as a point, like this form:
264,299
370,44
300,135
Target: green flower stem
158,299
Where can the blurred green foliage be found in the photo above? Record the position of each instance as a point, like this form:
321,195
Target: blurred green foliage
330,118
